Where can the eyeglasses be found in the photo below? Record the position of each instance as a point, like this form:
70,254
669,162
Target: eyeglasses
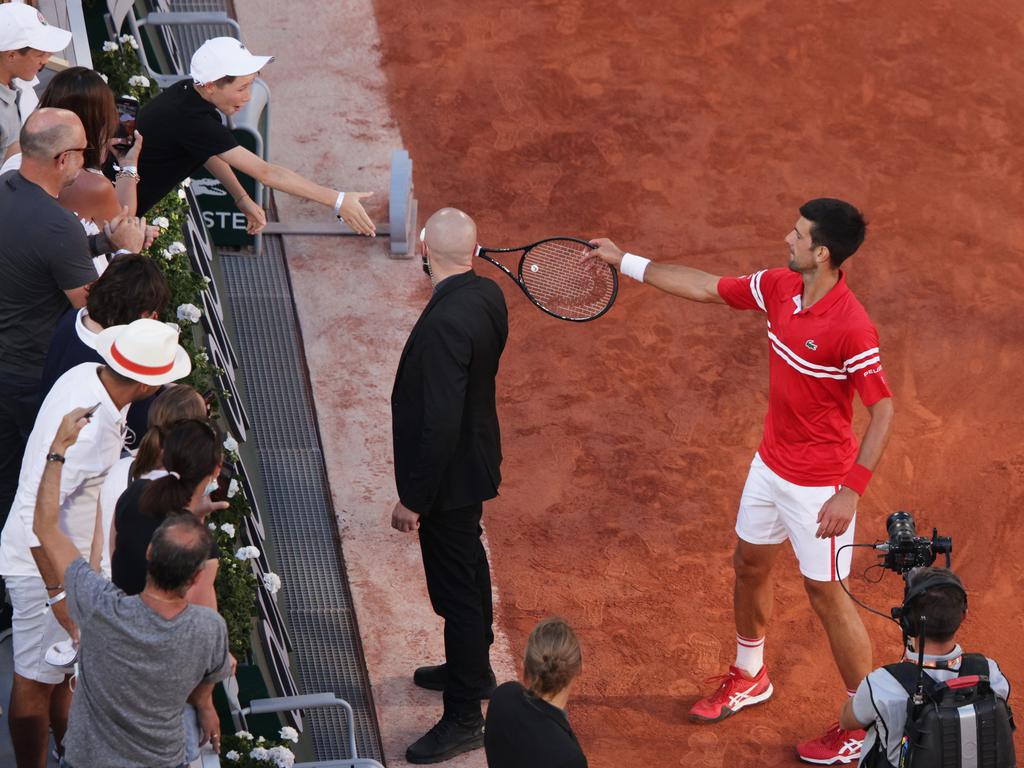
83,150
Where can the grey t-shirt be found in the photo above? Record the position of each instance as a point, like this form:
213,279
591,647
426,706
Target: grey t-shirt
881,700
43,252
136,670
10,116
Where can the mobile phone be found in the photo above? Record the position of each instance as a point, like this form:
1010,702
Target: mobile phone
88,414
127,111
227,472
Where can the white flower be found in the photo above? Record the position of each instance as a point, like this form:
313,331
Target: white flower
138,81
261,740
206,280
232,755
229,529
133,43
176,247
104,77
166,254
244,735
259,754
230,444
187,182
247,553
289,734
181,194
202,357
161,221
124,38
232,488
272,583
211,526
110,45
189,313
282,756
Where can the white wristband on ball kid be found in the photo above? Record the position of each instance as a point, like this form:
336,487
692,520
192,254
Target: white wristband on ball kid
634,266
337,204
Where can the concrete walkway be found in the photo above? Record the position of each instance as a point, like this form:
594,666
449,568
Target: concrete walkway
331,122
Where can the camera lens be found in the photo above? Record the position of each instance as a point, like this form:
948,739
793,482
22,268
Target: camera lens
900,526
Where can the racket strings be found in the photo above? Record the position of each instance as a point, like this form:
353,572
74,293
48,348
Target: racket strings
560,277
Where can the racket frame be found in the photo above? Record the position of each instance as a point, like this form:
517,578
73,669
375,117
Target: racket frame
517,276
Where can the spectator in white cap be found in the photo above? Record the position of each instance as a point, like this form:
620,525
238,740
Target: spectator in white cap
184,131
26,43
139,358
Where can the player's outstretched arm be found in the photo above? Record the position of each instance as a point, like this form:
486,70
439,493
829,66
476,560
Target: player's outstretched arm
687,282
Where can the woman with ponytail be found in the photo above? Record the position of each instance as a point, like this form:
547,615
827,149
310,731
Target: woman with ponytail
526,724
176,403
192,456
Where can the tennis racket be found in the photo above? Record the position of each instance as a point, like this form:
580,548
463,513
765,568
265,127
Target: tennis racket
558,277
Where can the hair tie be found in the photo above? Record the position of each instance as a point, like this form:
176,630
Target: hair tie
175,475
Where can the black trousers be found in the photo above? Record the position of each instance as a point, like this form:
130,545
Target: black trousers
19,403
459,585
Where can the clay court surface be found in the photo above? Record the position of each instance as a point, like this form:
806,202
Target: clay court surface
691,132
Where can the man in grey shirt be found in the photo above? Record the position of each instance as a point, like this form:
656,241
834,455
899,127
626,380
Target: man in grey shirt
143,657
880,704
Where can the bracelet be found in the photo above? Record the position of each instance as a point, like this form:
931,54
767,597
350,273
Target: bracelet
857,479
124,173
130,169
54,589
634,266
55,457
337,204
52,601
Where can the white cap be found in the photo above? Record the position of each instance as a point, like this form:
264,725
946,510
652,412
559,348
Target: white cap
145,350
22,26
224,57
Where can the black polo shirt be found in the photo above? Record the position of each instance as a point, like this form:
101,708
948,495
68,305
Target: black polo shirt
43,252
180,131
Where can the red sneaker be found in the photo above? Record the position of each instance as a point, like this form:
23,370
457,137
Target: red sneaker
836,746
735,692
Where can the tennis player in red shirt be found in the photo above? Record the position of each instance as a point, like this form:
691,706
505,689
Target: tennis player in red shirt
808,473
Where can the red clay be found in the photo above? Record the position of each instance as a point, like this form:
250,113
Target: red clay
691,132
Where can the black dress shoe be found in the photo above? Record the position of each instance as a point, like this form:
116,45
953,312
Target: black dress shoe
450,737
436,678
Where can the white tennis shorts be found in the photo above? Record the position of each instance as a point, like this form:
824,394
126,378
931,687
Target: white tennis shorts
35,630
773,510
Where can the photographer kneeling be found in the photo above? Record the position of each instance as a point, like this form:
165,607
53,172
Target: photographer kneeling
881,701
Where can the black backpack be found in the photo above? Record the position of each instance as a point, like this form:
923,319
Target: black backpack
960,723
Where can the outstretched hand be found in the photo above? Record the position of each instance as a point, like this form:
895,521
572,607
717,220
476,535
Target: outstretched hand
355,216
70,426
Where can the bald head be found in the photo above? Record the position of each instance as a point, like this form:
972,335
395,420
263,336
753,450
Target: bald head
451,238
49,131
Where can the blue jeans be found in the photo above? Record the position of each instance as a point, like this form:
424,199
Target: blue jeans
65,764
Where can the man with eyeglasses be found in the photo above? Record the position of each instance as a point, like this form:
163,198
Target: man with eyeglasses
45,267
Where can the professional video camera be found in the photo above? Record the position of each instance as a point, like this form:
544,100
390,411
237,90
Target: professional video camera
905,550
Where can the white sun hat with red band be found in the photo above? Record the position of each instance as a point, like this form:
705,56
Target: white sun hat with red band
146,351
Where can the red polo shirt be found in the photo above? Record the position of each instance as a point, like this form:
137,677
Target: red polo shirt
818,357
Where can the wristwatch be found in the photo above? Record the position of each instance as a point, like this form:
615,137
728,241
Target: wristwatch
55,457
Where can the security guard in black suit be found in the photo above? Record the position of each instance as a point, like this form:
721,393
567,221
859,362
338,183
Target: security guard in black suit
447,463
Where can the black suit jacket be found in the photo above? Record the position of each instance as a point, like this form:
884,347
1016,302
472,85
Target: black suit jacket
524,731
443,414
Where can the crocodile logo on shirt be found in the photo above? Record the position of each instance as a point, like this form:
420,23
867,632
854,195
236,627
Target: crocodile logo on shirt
810,344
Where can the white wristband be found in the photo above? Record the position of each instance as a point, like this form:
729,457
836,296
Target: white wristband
337,204
634,266
56,599
130,169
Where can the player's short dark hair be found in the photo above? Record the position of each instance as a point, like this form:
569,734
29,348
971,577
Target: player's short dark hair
837,225
943,606
130,286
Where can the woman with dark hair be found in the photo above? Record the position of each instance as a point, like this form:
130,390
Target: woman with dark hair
526,725
192,456
92,197
175,404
